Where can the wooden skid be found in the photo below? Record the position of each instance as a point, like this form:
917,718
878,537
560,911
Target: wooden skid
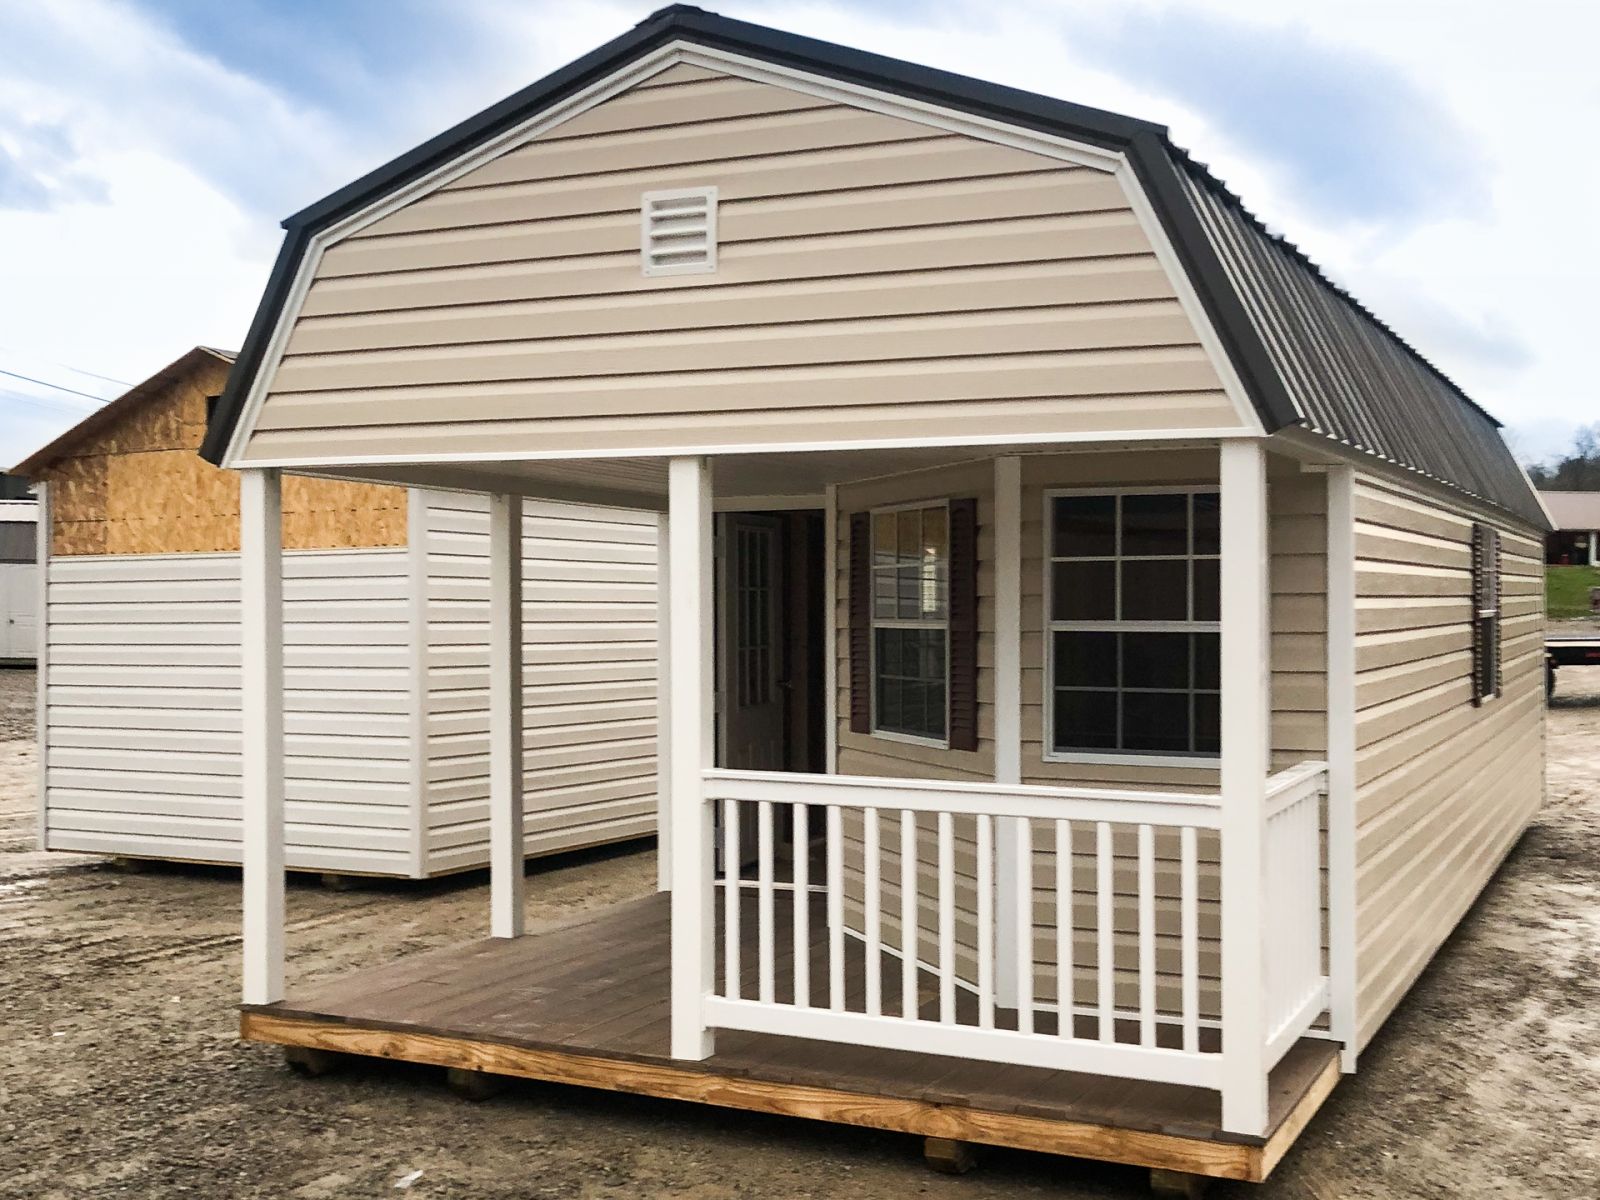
694,1083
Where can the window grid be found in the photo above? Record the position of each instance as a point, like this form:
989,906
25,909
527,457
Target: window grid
932,600
1119,626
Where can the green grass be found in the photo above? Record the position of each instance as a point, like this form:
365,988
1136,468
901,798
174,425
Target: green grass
1566,590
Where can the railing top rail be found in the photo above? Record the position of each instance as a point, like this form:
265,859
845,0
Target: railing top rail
1198,809
1294,784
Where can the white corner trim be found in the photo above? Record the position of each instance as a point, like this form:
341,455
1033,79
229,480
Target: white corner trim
1341,812
417,501
41,629
1188,298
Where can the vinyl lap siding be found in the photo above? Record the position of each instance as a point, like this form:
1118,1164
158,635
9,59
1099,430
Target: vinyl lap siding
877,274
1443,788
142,718
589,654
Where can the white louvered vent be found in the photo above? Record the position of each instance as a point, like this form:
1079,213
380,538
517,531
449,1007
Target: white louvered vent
678,231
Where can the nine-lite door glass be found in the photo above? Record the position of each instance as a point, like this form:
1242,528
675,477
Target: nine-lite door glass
910,620
1133,610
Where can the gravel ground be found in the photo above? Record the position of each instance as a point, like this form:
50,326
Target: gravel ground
123,1075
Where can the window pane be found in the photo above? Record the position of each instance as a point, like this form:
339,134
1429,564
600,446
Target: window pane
1086,720
883,540
1155,660
909,688
1207,660
1208,724
935,558
1155,524
1207,590
1083,591
909,590
1156,722
1084,525
936,533
910,537
1155,590
1206,524
1086,660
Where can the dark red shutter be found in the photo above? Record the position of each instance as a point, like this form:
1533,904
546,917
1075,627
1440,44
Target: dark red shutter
860,607
1480,576
1494,593
964,624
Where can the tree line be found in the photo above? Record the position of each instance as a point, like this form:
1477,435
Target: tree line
1576,471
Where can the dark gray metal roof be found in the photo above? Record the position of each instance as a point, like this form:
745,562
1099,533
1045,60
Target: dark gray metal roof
1307,353
1349,376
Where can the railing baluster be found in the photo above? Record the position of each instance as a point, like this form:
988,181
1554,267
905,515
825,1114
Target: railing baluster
766,934
800,843
1147,935
1064,923
908,915
1105,933
947,918
873,900
835,908
1022,899
731,868
1189,902
985,840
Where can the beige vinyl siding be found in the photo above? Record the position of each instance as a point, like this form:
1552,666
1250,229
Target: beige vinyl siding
879,274
1443,788
589,677
1298,540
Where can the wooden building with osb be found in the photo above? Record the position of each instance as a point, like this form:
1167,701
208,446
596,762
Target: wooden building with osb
387,655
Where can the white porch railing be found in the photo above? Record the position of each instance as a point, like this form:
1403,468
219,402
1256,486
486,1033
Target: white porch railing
1296,983
1115,894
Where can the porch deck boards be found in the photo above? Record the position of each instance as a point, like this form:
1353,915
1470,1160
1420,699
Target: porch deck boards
595,993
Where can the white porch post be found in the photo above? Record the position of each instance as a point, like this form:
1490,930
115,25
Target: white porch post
1342,761
506,850
1014,903
1594,548
1245,761
689,668
261,723
663,705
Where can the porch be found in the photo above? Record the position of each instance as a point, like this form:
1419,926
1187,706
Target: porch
1088,946
587,1004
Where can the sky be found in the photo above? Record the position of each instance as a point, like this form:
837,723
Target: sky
1430,154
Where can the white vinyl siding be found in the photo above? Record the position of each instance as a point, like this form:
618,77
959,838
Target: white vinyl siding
141,721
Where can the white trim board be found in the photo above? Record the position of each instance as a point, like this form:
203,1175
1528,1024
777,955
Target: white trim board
855,95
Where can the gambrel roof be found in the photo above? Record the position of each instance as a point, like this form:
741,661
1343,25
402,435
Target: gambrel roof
1307,353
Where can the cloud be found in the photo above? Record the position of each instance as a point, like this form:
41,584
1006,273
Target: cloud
40,169
1352,136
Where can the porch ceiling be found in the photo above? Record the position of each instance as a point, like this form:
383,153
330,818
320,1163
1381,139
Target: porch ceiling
797,475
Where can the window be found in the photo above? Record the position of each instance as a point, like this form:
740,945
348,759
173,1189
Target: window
910,588
678,231
1485,613
1132,596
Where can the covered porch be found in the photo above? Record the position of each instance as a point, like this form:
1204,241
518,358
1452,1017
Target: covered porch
1146,974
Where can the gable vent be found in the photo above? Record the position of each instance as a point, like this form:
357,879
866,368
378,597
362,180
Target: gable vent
678,231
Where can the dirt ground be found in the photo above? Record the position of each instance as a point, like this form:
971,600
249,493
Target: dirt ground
122,1074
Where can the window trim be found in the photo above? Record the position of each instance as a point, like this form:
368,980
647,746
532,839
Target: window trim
1111,758
890,735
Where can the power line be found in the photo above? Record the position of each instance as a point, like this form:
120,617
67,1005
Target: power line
58,387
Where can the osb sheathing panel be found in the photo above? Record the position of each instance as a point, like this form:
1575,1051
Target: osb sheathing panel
140,487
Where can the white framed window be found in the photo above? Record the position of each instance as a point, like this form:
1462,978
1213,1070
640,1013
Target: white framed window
678,231
910,642
1132,607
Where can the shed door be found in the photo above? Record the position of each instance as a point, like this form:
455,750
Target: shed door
18,620
750,683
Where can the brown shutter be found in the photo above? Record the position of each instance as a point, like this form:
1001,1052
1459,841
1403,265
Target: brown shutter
1494,593
859,589
964,624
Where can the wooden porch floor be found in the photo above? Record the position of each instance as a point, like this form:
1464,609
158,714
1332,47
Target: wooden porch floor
587,1004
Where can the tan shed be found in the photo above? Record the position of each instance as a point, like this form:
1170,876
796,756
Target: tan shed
387,651
1170,629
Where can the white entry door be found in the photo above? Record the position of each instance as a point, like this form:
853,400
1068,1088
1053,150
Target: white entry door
750,658
19,624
